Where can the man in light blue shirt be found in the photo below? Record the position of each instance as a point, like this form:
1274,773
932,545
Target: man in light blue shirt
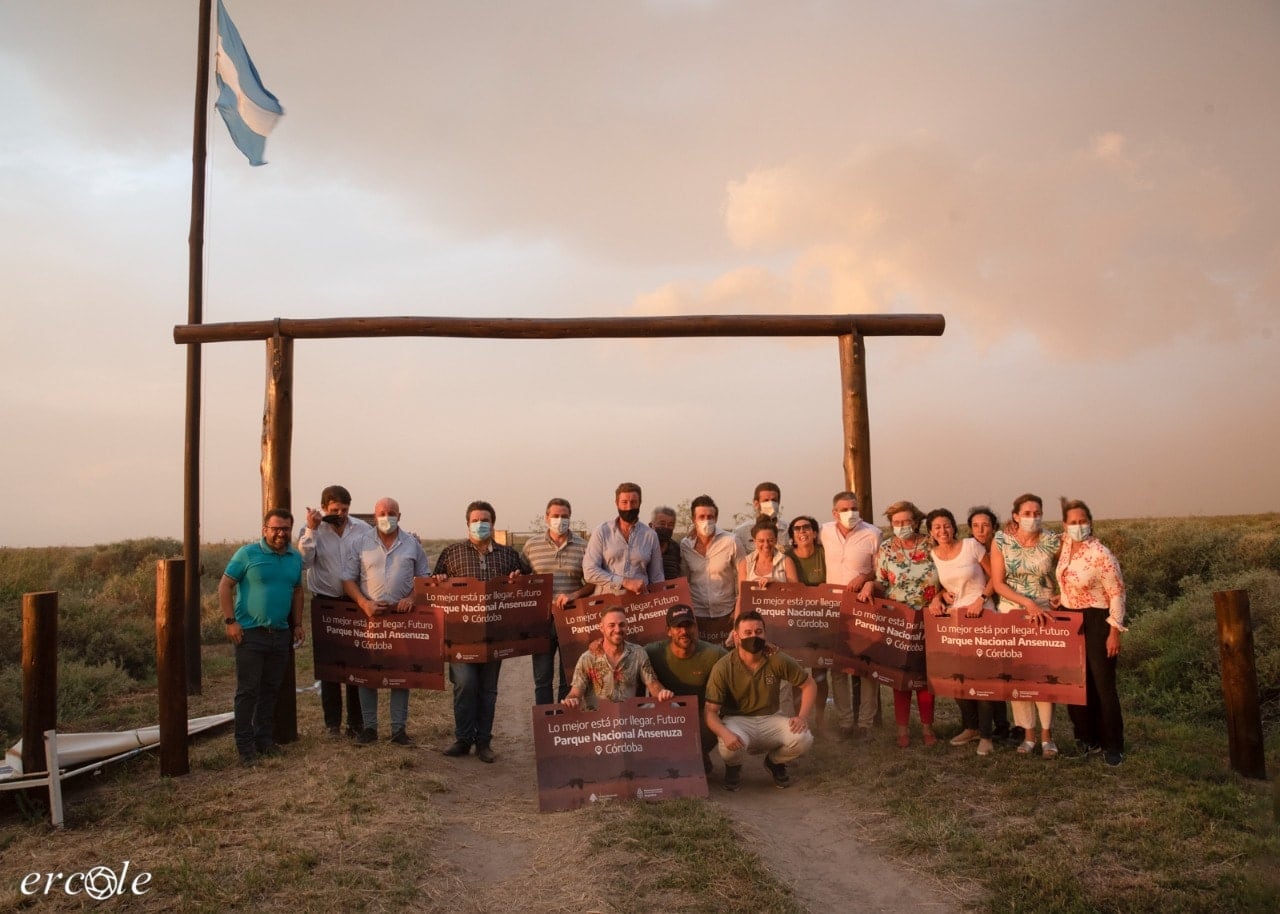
379,566
623,555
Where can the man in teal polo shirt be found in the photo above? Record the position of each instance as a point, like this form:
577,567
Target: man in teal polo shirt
265,581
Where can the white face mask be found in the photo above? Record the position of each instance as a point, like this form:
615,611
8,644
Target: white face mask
558,525
848,519
706,527
1029,524
906,531
769,508
1079,532
388,523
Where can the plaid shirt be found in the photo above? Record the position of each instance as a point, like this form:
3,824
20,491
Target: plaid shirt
464,560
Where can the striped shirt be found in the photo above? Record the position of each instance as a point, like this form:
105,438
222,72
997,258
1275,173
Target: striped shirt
563,562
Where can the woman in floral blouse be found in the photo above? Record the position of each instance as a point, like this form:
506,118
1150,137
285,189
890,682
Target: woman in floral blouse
1023,560
905,572
1090,582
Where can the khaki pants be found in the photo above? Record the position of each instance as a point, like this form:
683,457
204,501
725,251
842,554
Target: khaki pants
769,733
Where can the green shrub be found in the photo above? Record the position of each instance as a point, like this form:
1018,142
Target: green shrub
83,689
1169,664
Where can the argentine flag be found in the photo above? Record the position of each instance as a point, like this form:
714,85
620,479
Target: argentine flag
244,102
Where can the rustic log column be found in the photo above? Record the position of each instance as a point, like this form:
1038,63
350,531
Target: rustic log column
277,492
1240,683
857,423
171,666
39,675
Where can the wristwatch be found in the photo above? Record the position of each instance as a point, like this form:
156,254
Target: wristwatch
229,621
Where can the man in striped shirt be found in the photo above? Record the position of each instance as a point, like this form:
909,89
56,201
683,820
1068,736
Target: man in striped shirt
557,552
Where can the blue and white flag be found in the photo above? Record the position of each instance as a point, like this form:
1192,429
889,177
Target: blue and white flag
244,102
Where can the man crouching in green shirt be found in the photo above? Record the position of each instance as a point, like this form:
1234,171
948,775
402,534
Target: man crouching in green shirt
683,664
743,687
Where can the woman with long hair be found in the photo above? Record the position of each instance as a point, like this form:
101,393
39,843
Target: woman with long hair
1024,557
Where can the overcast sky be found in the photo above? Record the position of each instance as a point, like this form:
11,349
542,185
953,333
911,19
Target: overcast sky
1086,191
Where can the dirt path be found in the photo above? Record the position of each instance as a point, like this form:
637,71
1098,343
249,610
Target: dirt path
503,852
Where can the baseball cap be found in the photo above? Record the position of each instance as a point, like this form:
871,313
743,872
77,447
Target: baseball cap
680,614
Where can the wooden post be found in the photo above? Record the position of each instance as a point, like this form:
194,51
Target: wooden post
195,315
1240,683
277,492
171,677
39,675
857,423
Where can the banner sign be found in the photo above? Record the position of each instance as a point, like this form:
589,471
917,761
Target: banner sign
638,749
392,651
882,639
578,624
1000,656
803,621
490,620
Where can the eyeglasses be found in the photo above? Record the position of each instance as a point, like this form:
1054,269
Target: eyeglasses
276,529
801,528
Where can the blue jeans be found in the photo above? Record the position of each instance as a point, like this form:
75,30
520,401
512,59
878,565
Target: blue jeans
544,670
399,709
475,695
261,657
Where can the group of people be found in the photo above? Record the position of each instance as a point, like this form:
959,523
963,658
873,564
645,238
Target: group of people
742,683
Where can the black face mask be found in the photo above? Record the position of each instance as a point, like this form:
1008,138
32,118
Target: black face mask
752,645
664,535
336,520
629,516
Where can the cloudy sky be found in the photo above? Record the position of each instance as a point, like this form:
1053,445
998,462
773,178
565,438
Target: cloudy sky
1087,191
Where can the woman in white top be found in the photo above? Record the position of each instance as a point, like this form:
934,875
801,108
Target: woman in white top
964,571
766,562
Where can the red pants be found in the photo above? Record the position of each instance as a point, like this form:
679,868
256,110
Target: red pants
902,706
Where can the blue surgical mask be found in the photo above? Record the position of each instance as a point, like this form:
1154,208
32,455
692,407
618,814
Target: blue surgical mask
904,531
1079,532
481,529
388,523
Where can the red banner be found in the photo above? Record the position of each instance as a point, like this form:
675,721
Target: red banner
1000,656
578,624
490,620
638,749
803,621
882,639
393,651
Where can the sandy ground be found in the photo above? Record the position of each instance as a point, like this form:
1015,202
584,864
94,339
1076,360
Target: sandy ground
506,853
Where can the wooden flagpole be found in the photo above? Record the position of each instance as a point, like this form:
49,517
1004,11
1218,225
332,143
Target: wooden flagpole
195,315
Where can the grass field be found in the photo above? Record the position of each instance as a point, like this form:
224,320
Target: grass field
333,827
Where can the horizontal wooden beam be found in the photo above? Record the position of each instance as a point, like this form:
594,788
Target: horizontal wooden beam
564,328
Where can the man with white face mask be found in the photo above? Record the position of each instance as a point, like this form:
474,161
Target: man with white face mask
709,559
557,552
379,566
766,502
850,544
475,685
